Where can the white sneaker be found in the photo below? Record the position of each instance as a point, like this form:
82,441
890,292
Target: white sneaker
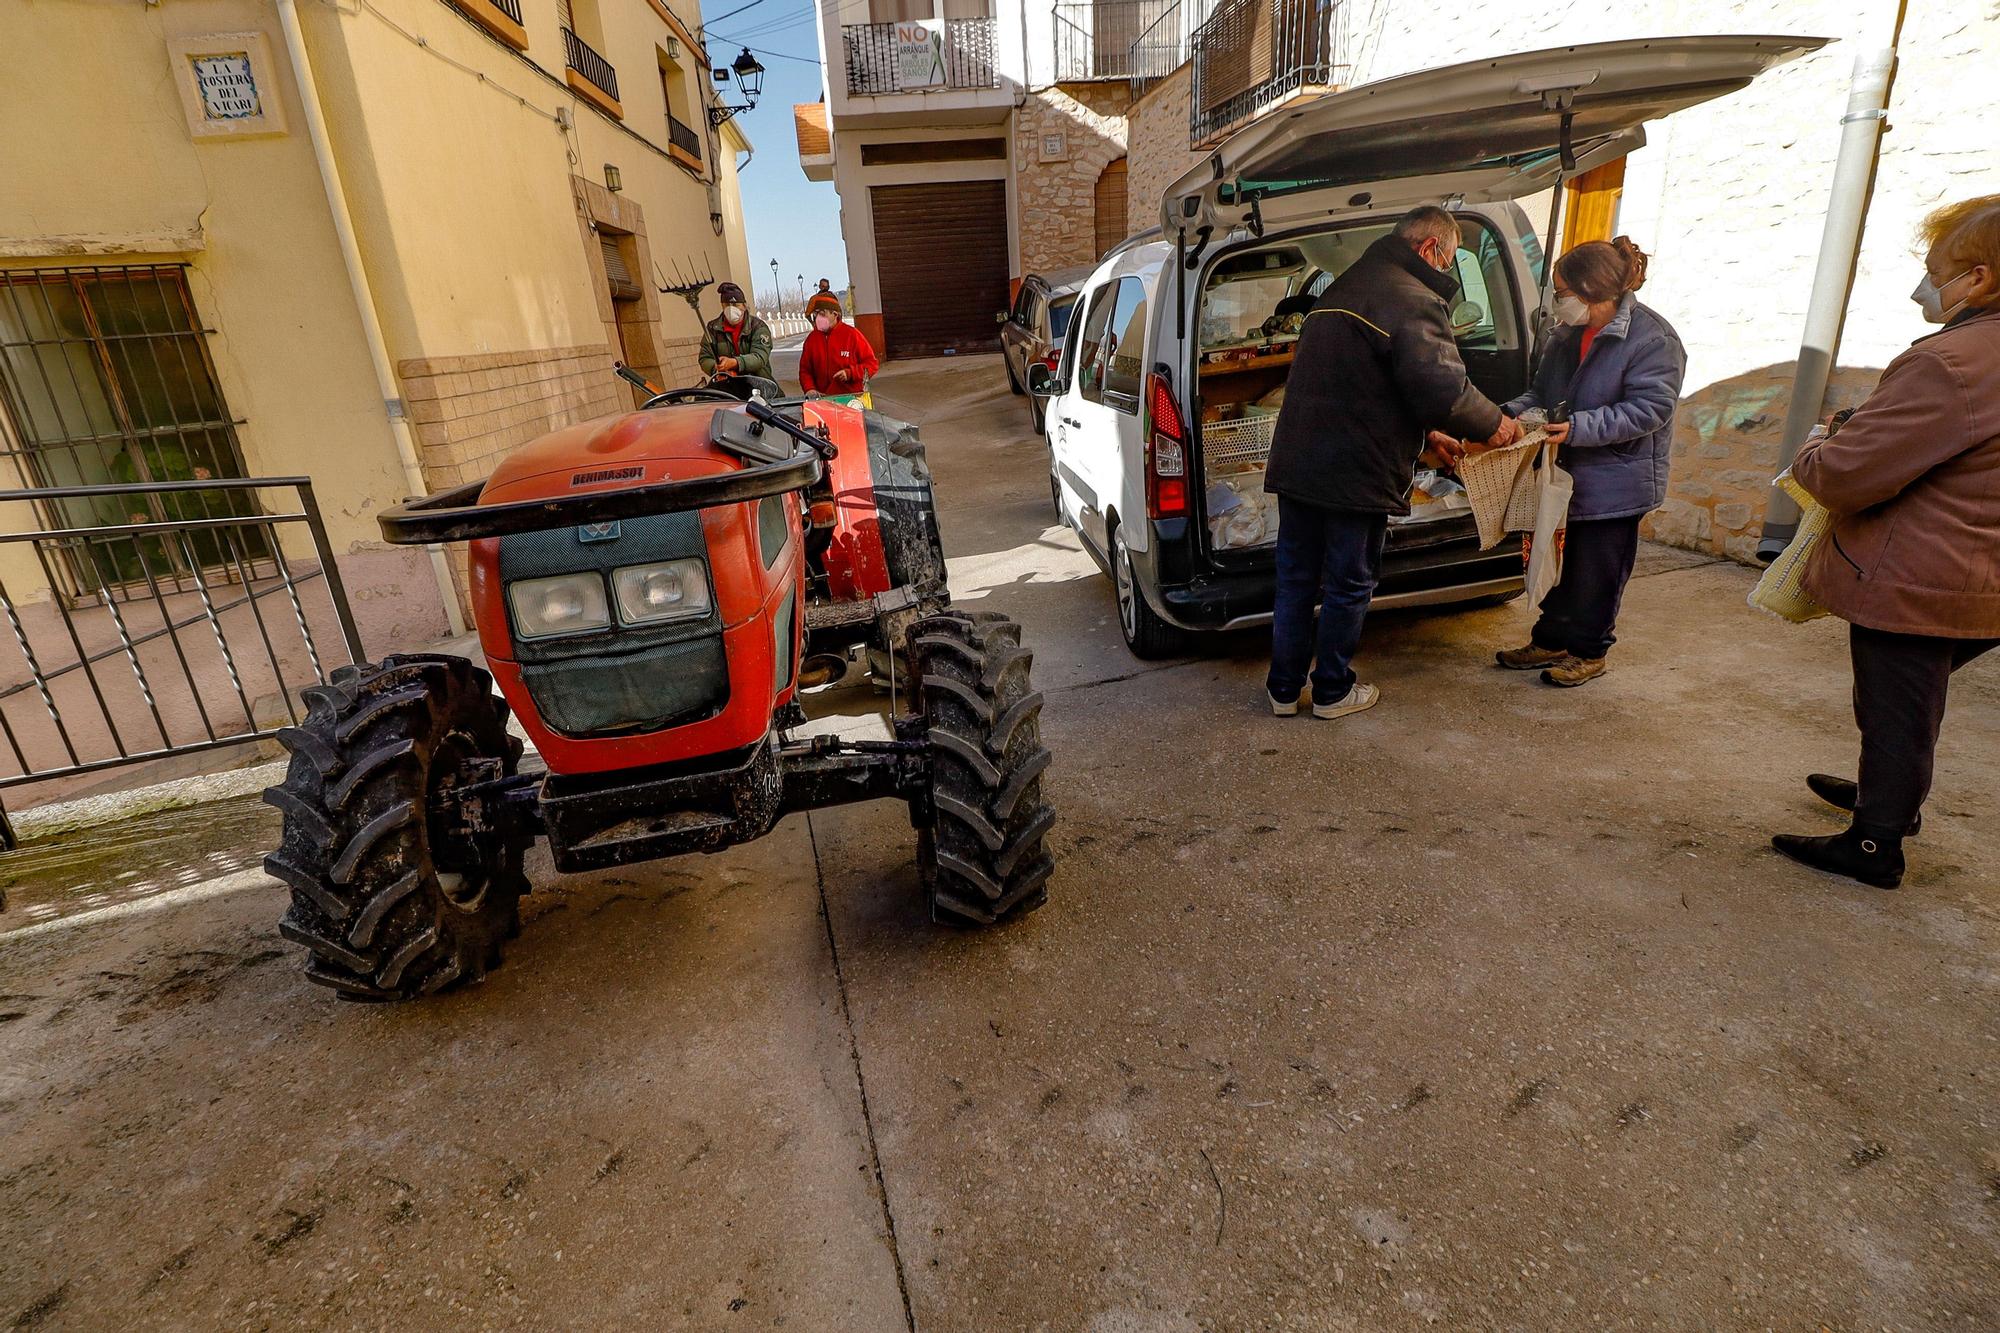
1359,699
1279,708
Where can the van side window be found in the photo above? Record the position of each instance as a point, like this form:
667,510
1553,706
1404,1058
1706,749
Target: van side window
1125,352
1023,312
1083,353
1483,318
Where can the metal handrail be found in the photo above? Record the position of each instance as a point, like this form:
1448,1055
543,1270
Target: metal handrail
579,56
160,556
1162,47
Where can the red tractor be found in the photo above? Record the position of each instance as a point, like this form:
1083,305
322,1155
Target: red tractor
648,589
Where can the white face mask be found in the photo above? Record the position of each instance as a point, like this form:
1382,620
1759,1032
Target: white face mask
732,314
1570,310
1930,295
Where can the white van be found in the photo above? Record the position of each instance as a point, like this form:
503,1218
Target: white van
1162,407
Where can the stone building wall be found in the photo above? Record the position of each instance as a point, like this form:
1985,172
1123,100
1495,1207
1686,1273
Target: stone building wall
1057,192
1157,148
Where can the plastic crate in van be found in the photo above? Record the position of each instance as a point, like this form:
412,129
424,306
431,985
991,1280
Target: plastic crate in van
1243,442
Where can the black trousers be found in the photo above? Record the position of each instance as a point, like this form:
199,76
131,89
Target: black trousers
1580,611
1900,681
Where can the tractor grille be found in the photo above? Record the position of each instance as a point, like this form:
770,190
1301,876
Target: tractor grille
643,691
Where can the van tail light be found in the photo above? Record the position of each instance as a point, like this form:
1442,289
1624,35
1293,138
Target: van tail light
1166,452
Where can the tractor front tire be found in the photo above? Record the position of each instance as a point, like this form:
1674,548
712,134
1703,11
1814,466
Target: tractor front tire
984,857
389,900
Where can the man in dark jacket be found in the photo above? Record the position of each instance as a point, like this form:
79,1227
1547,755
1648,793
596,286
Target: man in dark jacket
1375,369
735,343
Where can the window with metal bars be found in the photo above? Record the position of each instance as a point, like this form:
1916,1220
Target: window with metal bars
106,379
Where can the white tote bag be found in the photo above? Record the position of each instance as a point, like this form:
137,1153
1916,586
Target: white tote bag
1553,488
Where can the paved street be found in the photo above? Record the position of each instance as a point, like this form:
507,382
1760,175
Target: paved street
1488,1008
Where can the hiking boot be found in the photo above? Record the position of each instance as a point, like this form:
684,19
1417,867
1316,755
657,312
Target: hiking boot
1359,699
1281,707
1529,657
1843,794
1857,854
1573,671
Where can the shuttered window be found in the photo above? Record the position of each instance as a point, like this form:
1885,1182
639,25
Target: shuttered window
616,272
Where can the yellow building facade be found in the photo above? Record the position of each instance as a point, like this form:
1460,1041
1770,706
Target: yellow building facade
518,179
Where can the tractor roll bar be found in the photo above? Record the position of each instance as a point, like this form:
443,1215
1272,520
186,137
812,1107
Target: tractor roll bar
455,515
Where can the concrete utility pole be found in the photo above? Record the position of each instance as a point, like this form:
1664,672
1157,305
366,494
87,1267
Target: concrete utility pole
1839,249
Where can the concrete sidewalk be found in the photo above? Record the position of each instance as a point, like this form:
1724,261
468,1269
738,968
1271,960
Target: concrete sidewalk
1488,1008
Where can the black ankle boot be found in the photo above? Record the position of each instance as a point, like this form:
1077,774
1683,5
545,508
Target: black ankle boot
1843,794
1867,855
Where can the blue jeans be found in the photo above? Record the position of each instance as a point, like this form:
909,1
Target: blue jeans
1334,558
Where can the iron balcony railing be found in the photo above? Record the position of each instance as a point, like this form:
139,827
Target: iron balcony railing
592,66
1250,53
511,8
1161,47
1094,38
870,51
683,137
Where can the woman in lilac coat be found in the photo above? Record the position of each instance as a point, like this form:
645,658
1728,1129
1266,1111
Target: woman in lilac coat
1615,367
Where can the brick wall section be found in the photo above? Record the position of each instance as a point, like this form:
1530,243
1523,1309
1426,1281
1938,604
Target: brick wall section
469,412
1058,199
1156,142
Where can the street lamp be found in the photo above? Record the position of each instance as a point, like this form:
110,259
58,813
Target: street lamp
749,79
777,293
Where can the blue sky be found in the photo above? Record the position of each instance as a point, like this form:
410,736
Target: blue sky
787,217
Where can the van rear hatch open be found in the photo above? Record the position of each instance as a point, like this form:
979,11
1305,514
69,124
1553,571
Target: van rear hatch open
1482,131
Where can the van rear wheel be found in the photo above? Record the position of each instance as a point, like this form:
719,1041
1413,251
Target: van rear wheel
1146,634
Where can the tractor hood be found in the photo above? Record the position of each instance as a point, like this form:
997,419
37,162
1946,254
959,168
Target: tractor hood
610,453
1482,131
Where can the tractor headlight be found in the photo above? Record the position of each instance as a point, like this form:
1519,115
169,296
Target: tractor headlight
564,604
670,590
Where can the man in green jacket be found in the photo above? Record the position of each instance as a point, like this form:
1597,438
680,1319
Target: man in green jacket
735,343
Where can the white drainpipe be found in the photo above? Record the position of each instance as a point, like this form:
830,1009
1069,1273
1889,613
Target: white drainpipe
1840,244
364,297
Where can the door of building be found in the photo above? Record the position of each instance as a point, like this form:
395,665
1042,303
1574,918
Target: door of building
1111,205
941,262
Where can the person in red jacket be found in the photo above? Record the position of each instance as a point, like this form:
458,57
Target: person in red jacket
835,358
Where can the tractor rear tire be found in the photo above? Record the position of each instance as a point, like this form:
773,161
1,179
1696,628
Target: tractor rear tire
389,901
984,857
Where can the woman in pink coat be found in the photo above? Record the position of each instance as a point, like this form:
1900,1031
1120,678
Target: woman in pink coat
1912,560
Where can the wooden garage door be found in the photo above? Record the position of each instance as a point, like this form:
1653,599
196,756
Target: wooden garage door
941,258
1111,206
